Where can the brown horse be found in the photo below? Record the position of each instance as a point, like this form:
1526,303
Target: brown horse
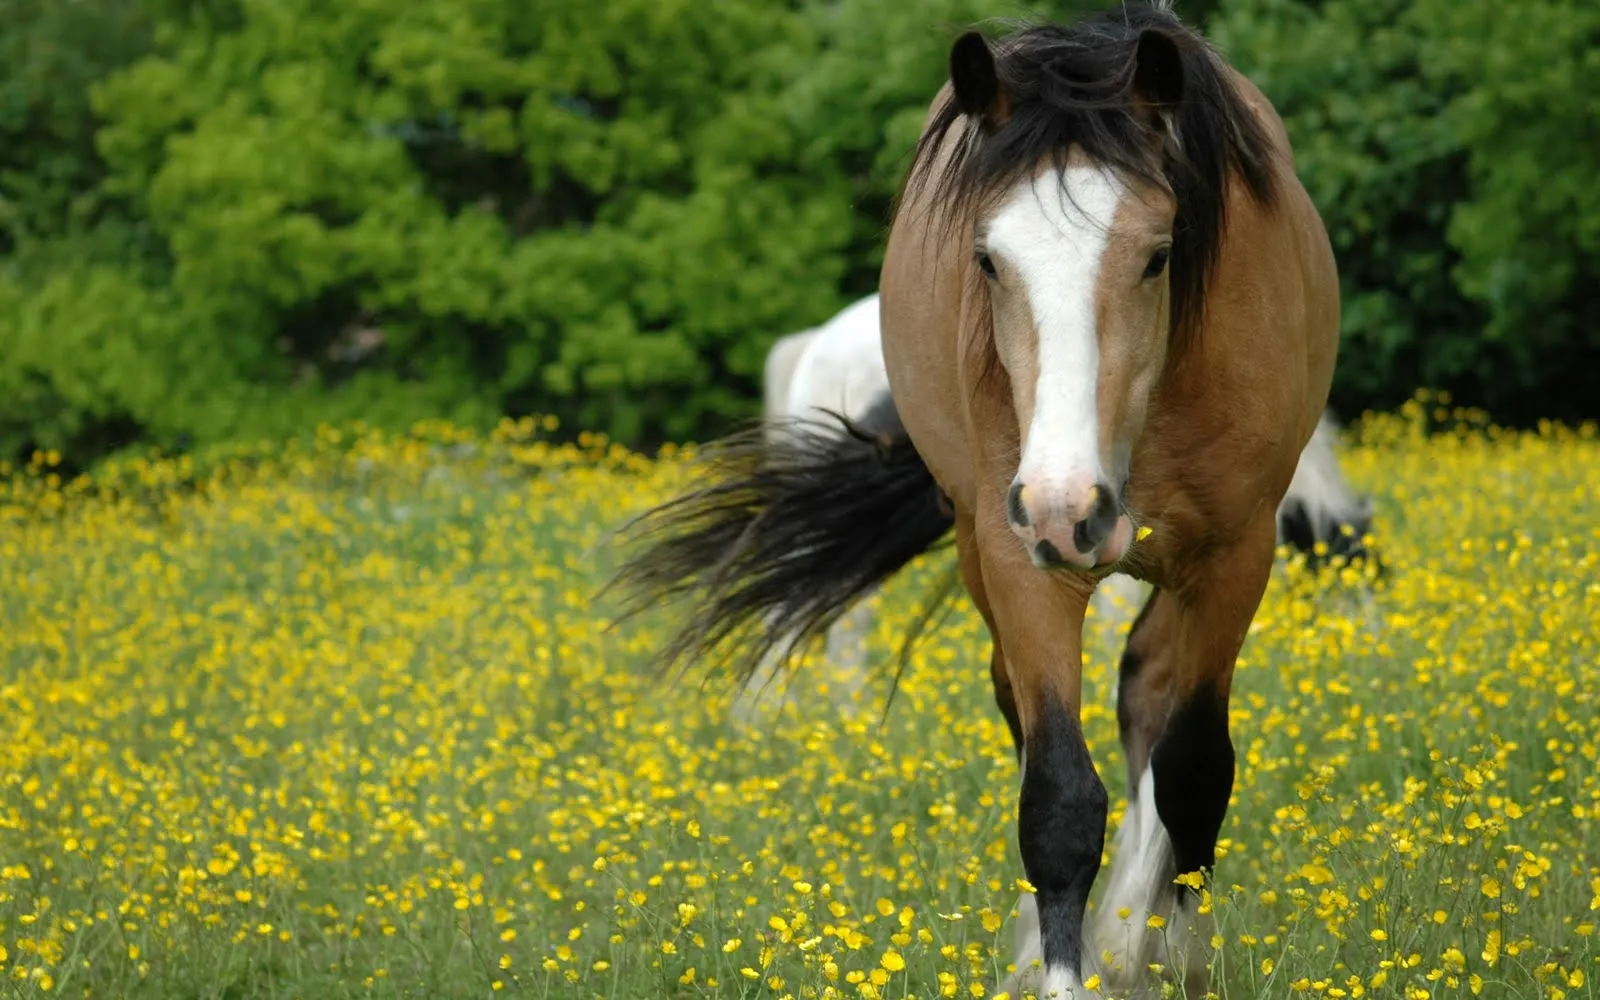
1110,316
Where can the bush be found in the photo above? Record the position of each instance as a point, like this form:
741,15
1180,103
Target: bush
1450,149
487,206
397,211
50,54
295,212
58,229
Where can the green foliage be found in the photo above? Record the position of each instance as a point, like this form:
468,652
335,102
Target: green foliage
50,53
438,210
60,305
534,209
232,218
1450,148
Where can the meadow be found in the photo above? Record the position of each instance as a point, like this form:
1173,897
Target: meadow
343,719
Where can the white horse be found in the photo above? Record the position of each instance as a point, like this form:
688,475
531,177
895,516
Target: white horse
839,367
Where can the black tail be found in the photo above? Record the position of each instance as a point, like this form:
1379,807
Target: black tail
797,522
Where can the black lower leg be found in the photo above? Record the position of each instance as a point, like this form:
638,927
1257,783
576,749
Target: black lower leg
1061,831
1193,768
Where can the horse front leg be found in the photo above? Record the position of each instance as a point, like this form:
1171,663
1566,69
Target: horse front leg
1036,619
972,576
1172,708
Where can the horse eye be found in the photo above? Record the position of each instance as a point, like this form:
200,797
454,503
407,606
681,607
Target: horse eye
985,265
1158,263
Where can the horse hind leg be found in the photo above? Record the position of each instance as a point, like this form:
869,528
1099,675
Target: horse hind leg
771,686
755,694
847,655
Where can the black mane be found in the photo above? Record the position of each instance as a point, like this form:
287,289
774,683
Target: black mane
1074,85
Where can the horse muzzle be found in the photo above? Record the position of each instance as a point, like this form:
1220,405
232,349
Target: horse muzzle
1068,528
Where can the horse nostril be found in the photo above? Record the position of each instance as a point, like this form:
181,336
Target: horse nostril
1082,537
1014,508
1048,553
1088,533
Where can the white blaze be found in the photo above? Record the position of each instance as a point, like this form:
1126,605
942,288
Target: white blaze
1052,233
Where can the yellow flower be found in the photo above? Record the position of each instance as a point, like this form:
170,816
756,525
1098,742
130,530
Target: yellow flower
354,683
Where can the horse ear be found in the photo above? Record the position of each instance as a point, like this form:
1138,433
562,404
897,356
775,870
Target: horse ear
1158,69
979,94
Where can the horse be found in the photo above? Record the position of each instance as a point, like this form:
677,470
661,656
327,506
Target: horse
837,367
1110,319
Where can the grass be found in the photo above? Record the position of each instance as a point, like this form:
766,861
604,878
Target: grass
340,720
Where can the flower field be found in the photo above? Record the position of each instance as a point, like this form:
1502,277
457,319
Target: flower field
344,719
